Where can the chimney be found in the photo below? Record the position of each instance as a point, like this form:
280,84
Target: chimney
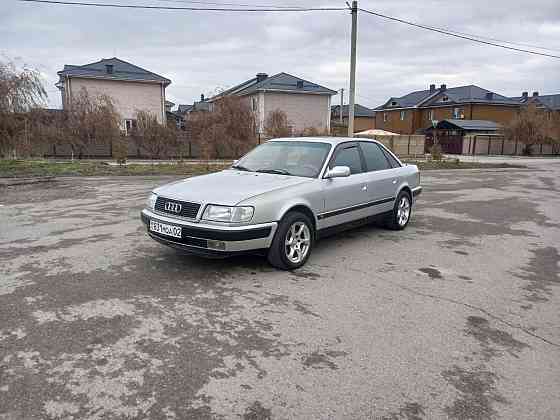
443,87
202,97
261,77
535,94
489,95
109,68
432,88
525,95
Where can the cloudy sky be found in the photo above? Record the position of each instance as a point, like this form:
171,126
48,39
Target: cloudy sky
204,51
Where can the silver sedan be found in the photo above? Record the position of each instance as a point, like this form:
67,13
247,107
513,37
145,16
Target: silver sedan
281,197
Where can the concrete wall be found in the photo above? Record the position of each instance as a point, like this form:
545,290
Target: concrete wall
303,110
411,145
129,97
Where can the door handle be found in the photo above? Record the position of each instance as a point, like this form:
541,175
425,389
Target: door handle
364,187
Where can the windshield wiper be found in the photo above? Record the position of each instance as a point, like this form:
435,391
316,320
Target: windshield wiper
274,171
240,168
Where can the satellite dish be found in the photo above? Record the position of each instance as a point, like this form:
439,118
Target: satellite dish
434,123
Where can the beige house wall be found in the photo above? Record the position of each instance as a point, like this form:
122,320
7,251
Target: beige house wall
303,110
129,97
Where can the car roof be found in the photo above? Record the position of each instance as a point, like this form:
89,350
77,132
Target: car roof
330,140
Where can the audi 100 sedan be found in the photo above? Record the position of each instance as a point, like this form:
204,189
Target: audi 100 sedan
281,197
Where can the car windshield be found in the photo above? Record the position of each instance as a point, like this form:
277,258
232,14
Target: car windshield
297,158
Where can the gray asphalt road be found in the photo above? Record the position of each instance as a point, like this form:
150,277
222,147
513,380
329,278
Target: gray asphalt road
456,317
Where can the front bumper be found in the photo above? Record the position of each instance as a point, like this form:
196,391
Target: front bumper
211,240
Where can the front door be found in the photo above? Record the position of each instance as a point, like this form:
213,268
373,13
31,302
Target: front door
345,197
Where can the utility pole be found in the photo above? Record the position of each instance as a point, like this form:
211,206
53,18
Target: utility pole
341,105
351,100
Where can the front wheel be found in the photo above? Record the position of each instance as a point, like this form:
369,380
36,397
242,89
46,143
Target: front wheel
292,242
400,216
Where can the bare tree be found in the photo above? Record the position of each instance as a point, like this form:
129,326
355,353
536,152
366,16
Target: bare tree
156,139
276,124
89,121
227,131
529,127
21,90
313,132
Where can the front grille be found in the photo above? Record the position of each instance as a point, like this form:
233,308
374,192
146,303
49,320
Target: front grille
188,210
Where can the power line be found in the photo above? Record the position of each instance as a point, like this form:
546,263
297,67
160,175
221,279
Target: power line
457,35
201,9
271,6
498,40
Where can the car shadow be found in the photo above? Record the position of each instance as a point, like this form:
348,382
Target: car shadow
257,262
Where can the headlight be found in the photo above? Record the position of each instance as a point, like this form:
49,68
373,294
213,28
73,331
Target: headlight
228,214
151,203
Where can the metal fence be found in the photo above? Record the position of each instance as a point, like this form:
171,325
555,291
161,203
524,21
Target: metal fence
492,144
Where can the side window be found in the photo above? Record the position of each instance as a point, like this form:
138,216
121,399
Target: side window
394,163
375,158
349,156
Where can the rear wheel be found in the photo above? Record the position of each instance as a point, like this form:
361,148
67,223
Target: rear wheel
293,242
400,216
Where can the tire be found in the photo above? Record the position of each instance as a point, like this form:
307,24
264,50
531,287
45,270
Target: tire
281,254
402,212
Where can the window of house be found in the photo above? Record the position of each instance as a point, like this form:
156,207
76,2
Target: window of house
393,103
403,115
348,156
444,99
431,115
254,104
375,158
458,113
129,125
385,117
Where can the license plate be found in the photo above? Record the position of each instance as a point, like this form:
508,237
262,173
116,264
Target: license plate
163,229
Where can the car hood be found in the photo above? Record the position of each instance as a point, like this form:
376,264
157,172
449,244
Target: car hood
227,187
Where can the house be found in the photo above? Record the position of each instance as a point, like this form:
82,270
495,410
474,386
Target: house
364,118
417,111
169,106
198,106
306,104
131,87
547,103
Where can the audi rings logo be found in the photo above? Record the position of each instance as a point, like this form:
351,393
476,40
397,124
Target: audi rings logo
173,207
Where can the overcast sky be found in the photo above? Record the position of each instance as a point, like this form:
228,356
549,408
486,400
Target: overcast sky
203,51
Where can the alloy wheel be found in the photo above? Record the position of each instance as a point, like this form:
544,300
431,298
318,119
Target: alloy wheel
403,211
298,240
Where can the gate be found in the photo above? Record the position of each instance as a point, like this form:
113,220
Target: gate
450,143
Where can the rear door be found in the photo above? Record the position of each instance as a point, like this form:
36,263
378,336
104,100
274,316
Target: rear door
383,178
344,197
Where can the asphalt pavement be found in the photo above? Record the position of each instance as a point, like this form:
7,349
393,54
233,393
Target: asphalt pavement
455,317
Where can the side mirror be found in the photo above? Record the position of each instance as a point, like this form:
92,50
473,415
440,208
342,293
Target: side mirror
338,172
